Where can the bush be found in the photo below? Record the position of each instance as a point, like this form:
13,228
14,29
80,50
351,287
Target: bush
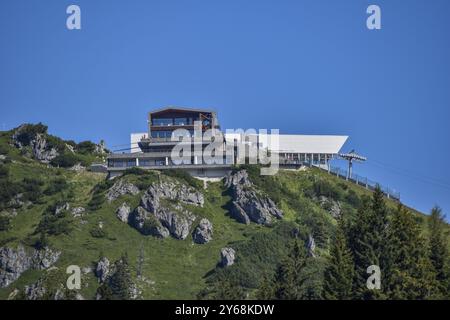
3,149
325,188
55,186
42,242
183,175
86,147
4,172
65,160
4,223
54,224
97,232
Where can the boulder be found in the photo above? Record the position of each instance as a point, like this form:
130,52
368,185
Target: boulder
203,233
227,257
248,203
123,212
102,271
78,212
121,188
311,246
62,207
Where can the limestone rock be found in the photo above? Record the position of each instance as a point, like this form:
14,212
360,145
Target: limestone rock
248,203
78,212
203,232
13,262
123,212
159,217
227,257
121,188
102,271
311,246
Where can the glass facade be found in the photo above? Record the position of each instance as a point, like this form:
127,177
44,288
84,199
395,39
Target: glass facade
162,122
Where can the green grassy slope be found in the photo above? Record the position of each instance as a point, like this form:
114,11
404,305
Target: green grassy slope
174,269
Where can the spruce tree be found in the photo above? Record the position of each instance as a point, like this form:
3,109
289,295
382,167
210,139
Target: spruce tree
438,250
338,278
412,275
120,282
290,275
266,290
367,242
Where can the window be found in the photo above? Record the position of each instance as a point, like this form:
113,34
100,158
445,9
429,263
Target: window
160,162
162,122
161,134
131,163
145,163
180,121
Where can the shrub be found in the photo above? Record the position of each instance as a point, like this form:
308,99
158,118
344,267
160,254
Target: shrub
86,147
183,175
325,188
4,223
4,172
55,186
65,160
42,242
98,232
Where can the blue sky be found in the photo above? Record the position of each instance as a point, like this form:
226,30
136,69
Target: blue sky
309,67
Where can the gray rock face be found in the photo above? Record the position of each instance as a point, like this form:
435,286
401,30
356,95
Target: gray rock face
203,233
227,257
102,271
311,246
78,212
152,217
123,212
121,188
332,206
13,262
41,150
78,167
63,207
36,291
248,203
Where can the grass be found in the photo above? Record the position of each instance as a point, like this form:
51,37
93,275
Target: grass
177,269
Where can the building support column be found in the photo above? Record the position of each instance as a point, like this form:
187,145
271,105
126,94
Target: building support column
167,161
137,162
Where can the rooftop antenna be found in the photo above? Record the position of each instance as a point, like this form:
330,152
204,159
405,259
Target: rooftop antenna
350,157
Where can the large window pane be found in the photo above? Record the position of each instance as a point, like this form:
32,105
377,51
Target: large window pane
162,122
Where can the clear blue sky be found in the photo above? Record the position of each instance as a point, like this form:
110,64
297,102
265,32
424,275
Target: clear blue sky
309,67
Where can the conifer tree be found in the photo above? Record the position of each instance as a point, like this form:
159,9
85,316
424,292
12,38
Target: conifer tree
120,282
290,275
367,241
338,278
412,275
438,250
266,290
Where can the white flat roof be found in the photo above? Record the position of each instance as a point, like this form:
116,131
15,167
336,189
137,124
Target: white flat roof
287,143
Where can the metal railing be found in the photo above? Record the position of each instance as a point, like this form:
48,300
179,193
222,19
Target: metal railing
362,181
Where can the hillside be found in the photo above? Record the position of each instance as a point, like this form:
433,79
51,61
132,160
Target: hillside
162,233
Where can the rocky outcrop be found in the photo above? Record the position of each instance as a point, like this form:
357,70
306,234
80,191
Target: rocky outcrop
77,168
36,291
13,262
227,257
203,233
40,148
248,204
160,212
123,212
78,212
62,207
121,188
330,205
311,246
103,270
